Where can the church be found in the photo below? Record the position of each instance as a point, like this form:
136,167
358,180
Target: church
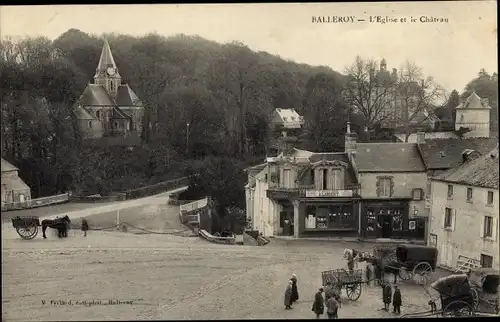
108,107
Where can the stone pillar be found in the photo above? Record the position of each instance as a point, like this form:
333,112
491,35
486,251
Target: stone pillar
296,221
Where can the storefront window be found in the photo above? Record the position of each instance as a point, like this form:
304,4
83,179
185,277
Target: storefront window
371,221
329,217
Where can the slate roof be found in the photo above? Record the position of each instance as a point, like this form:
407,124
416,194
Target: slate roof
428,136
82,114
340,156
118,114
473,102
446,154
7,166
482,172
388,157
125,96
96,95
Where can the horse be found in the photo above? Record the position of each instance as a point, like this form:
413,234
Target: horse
61,224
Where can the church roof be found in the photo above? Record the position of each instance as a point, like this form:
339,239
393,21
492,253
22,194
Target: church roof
96,95
106,60
126,97
82,114
473,102
118,114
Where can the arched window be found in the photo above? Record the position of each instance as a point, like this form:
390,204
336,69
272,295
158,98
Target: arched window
98,114
89,124
116,125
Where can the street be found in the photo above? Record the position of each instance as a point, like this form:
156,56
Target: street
171,277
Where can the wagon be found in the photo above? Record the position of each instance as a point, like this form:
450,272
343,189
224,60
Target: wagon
407,261
455,296
349,280
484,286
26,227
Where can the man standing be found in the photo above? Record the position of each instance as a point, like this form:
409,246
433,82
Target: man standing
386,295
396,300
295,292
319,304
332,307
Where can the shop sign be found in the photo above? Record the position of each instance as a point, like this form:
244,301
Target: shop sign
328,193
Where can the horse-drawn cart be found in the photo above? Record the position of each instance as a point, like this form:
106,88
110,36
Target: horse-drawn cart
484,284
455,295
26,227
349,280
407,261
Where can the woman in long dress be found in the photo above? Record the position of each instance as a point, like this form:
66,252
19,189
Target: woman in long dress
288,296
295,291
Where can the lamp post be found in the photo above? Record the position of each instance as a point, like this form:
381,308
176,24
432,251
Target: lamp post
187,138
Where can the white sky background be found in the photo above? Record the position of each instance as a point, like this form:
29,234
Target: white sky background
453,53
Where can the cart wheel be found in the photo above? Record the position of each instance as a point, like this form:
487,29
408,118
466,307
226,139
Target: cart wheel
28,232
422,273
475,298
458,308
353,291
404,274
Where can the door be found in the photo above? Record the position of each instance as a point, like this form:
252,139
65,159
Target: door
386,226
21,198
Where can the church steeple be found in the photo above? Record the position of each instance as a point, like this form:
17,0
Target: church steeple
107,73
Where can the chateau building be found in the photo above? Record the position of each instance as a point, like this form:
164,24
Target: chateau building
109,107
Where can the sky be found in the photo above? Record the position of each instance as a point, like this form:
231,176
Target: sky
452,52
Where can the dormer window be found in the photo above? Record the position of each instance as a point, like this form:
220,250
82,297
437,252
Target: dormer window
284,118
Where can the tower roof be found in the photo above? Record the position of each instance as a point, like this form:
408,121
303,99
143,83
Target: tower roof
474,102
106,60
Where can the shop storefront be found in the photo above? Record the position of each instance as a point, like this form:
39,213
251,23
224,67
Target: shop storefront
385,219
329,218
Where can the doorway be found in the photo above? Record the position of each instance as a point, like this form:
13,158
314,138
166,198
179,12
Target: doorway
385,222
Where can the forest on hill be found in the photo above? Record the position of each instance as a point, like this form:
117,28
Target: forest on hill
225,92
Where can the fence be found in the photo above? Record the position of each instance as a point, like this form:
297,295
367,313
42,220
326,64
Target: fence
38,202
117,196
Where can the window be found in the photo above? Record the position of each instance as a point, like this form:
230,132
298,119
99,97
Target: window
337,179
312,176
89,124
488,227
448,217
486,261
265,177
490,198
287,178
116,125
324,185
384,187
98,114
338,216
461,118
417,194
469,194
450,191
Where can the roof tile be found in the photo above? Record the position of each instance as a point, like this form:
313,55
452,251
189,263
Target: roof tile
388,157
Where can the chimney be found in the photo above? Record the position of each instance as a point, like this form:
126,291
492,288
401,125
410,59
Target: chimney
350,140
420,137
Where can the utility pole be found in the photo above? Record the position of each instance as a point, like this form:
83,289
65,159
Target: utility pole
187,138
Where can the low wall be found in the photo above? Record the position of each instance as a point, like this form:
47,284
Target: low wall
217,240
94,199
38,202
156,188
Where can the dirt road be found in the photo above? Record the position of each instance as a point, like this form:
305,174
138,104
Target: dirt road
169,277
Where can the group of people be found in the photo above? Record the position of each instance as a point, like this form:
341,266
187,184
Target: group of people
389,297
331,301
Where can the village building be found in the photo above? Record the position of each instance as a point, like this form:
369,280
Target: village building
13,187
108,107
368,191
464,214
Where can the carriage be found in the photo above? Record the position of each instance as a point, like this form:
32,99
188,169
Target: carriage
26,227
484,284
455,295
408,261
351,281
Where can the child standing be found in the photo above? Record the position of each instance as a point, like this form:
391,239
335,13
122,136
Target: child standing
396,300
85,227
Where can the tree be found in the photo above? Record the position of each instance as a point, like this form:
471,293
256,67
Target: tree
368,91
327,114
447,112
415,95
